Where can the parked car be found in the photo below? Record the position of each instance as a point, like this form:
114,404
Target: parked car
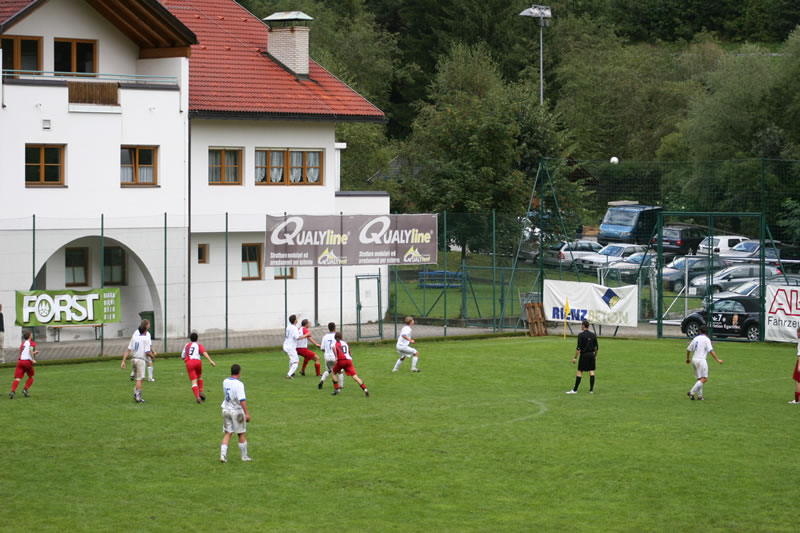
608,255
673,276
735,316
563,253
753,288
728,277
719,244
682,239
751,249
640,262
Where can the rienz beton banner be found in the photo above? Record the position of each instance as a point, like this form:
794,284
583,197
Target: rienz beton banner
331,240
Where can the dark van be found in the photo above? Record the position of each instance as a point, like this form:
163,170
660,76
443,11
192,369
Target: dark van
630,223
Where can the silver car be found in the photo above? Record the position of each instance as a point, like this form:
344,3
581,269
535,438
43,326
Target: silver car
612,253
728,277
563,253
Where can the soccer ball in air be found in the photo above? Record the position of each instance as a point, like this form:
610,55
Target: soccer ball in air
614,160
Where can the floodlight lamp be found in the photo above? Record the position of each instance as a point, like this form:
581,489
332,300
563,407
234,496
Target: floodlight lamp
541,12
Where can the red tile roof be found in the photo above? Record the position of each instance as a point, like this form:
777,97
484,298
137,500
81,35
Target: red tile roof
9,8
229,73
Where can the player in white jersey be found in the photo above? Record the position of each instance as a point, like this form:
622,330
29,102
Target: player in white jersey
404,342
149,359
701,346
25,363
796,375
235,415
290,345
140,347
328,345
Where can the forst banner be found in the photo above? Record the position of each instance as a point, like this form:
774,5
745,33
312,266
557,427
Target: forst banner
352,240
576,302
782,313
66,307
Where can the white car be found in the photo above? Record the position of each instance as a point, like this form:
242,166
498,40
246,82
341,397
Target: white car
563,253
720,244
612,253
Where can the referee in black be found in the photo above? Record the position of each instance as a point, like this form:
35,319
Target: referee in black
587,351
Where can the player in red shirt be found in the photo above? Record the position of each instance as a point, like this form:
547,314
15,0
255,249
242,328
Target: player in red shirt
344,362
194,365
302,348
25,363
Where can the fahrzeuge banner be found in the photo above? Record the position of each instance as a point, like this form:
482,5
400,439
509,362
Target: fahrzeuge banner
782,313
332,240
66,307
617,306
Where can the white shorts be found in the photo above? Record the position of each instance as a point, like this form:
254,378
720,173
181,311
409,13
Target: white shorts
700,368
138,366
406,351
233,422
329,364
293,358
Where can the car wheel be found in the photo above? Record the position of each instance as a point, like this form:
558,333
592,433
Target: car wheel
752,332
693,329
677,286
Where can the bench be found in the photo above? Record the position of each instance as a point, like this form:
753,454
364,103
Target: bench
439,279
57,330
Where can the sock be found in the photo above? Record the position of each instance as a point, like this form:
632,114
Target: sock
577,383
243,449
414,362
398,363
14,385
697,387
325,375
29,383
336,385
305,364
797,396
196,391
132,374
200,385
317,368
363,386
341,379
150,372
293,369
591,383
700,390
223,450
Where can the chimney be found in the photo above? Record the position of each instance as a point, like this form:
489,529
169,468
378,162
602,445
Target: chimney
287,42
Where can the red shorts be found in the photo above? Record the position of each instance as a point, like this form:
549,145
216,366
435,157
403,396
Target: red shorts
346,365
306,353
23,367
797,370
195,368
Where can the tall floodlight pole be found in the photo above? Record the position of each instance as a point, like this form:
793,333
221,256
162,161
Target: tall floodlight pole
544,16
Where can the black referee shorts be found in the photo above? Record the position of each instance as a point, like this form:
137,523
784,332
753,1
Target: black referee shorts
586,362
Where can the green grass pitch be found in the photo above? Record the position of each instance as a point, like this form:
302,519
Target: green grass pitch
483,439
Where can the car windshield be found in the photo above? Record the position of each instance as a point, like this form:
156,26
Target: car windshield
636,258
613,251
745,288
746,246
708,241
679,263
557,246
619,218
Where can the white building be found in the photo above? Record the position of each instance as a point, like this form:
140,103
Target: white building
134,126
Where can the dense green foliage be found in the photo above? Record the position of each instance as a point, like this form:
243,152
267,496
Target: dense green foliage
483,439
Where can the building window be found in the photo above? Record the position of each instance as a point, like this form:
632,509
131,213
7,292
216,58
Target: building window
138,165
284,273
114,266
74,56
288,167
21,53
251,261
225,166
202,254
76,267
44,164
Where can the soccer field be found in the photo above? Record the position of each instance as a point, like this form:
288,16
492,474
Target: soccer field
483,439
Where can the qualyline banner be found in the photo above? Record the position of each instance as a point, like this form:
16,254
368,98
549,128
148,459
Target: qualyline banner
617,306
782,313
65,307
331,240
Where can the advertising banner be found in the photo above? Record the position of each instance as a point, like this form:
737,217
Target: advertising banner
576,302
782,313
65,307
331,240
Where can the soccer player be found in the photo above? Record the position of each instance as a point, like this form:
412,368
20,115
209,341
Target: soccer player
404,348
140,346
344,362
25,363
194,365
146,324
235,415
302,348
290,345
2,337
797,372
587,351
701,346
329,347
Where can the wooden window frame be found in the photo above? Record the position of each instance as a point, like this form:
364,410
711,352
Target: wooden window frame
124,280
42,165
74,56
135,166
279,275
259,252
17,59
287,167
85,266
202,258
222,166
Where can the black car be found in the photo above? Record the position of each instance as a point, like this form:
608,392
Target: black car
681,239
730,317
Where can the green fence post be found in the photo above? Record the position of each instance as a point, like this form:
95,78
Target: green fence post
444,245
102,275
226,280
165,321
494,271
